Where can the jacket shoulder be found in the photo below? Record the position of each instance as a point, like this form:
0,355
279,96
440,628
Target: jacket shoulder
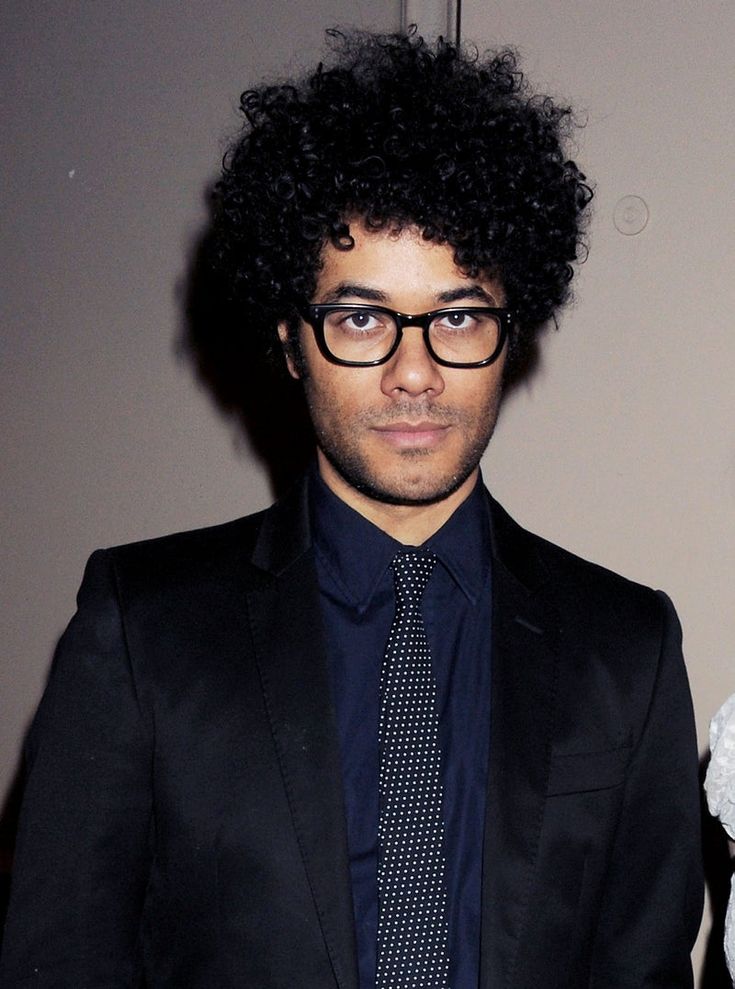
197,555
580,586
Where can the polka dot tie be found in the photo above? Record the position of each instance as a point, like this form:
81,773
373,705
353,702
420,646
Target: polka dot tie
413,929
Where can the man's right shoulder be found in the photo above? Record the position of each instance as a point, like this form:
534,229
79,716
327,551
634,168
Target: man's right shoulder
180,558
194,543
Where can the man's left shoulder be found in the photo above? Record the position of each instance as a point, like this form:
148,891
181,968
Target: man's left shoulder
586,595
611,646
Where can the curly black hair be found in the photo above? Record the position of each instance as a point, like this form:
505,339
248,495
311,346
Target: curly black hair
399,132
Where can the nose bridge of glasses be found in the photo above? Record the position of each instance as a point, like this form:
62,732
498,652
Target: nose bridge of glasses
411,365
419,321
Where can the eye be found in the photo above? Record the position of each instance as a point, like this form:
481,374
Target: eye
458,319
360,320
357,322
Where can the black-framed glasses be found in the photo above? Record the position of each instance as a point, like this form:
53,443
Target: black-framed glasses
364,335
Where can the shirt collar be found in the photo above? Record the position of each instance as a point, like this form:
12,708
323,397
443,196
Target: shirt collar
356,553
463,543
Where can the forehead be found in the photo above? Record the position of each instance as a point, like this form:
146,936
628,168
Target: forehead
394,264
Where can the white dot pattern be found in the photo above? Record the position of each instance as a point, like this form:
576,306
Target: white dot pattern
413,930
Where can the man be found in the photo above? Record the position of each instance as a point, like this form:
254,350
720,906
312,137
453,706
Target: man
377,735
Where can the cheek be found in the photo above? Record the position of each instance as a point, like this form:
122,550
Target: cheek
339,391
332,405
476,392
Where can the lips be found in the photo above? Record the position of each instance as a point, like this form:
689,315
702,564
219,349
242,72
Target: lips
410,435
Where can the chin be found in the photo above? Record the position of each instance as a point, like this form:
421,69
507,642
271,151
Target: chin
410,487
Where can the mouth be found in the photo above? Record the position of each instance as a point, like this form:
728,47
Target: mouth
411,436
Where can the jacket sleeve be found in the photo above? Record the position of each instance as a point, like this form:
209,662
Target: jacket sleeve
83,849
653,897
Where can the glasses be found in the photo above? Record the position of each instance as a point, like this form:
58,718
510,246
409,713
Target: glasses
365,336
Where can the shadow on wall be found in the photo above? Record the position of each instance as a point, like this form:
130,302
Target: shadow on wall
264,401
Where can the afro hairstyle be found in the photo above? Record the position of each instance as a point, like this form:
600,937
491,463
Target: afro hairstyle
398,132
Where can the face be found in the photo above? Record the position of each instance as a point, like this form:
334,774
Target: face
408,432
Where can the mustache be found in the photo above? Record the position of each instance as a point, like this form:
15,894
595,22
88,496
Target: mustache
405,410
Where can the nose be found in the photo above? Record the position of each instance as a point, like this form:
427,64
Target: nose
411,370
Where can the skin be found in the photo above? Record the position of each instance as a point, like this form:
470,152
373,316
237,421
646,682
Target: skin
399,443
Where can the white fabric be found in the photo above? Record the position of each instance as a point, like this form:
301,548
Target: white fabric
719,786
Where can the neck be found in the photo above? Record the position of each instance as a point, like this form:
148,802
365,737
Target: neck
411,525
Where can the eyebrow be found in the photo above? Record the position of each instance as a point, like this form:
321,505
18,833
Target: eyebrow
356,291
468,292
353,290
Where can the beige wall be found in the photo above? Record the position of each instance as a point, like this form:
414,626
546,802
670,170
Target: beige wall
622,446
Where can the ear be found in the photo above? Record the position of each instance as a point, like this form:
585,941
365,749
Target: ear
285,338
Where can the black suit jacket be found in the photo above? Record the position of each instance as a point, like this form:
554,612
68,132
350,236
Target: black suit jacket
183,822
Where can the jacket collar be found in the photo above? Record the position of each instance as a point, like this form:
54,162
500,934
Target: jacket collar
525,657
516,550
284,535
290,654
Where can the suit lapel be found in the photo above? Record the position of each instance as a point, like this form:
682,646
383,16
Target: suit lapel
286,623
524,659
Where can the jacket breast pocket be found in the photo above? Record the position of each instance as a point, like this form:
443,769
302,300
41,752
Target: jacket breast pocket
581,772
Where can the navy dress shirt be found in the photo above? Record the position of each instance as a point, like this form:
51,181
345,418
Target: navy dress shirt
356,588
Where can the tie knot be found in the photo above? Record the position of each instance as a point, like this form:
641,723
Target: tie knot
411,572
